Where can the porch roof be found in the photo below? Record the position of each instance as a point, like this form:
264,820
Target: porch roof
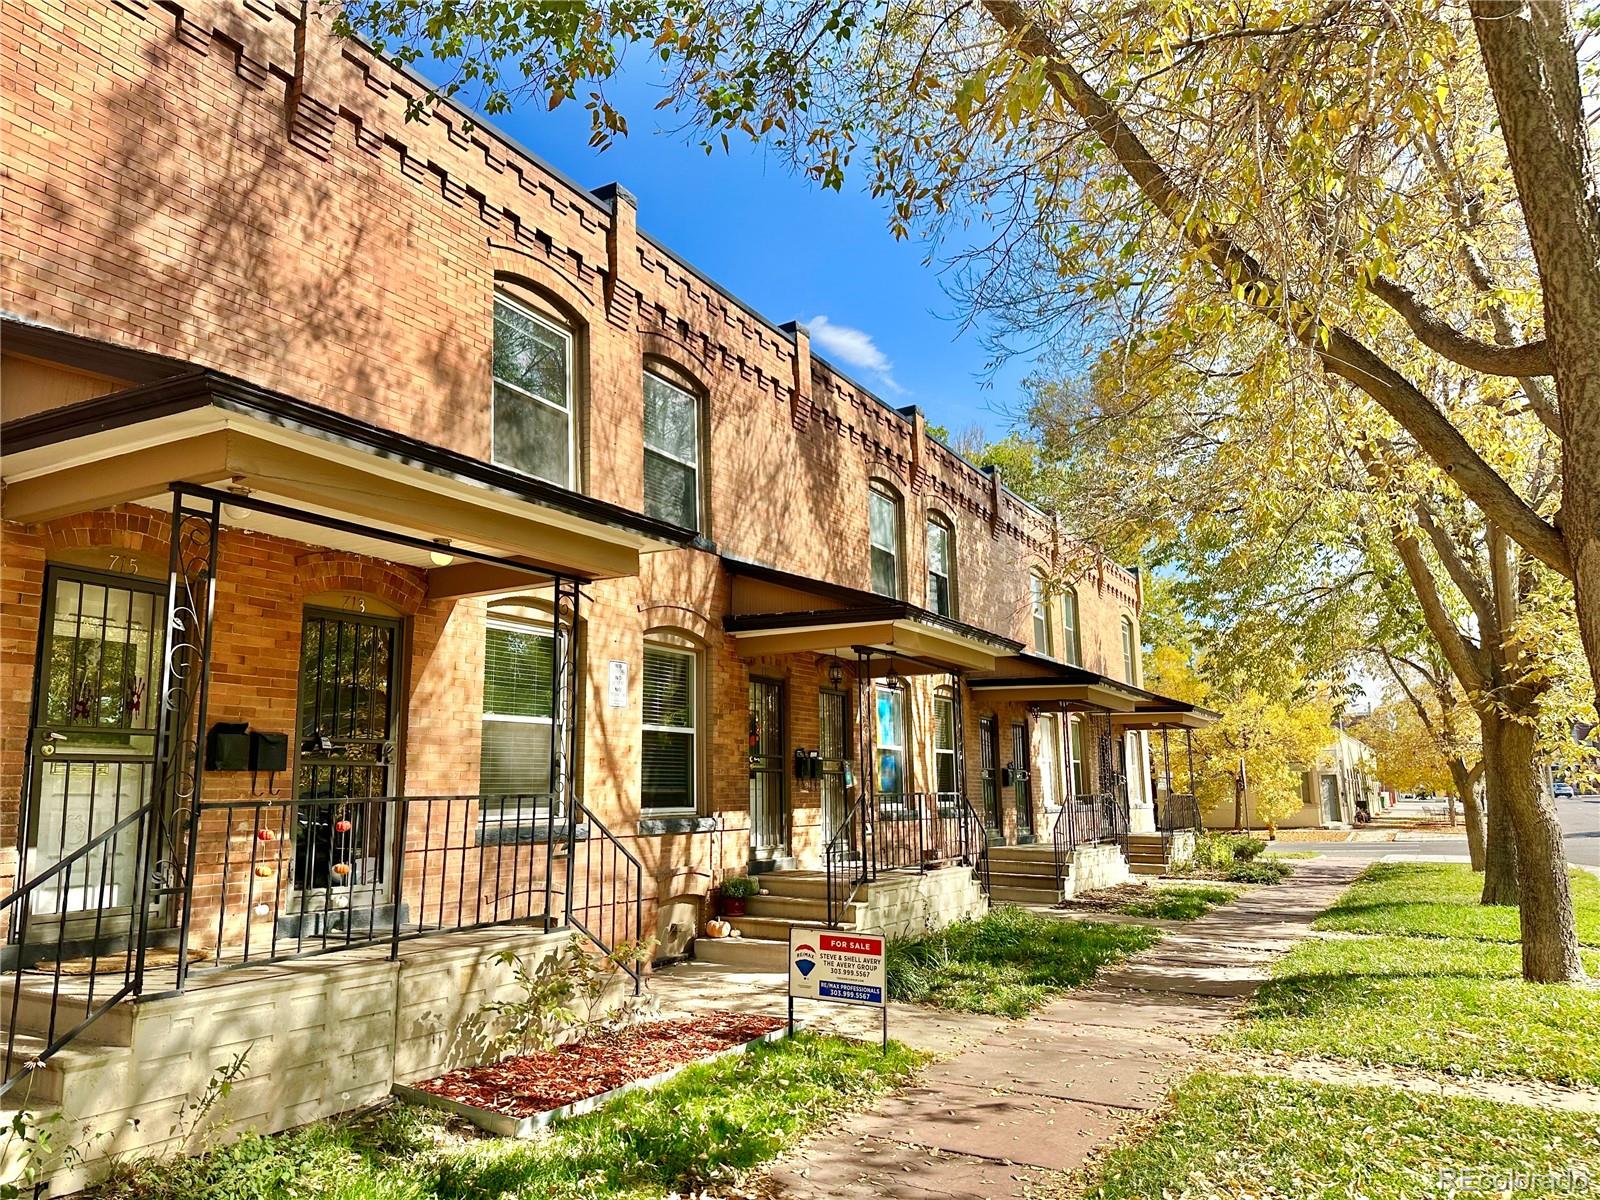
778,612
204,427
1046,683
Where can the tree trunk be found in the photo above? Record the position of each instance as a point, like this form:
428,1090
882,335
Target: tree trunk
1544,890
1530,53
1500,840
1467,792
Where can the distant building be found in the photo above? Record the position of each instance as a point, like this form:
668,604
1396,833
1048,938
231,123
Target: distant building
1342,780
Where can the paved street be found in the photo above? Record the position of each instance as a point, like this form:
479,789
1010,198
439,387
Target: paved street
1580,818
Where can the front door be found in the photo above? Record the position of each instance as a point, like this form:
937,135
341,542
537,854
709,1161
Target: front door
1021,781
768,817
988,772
92,747
347,739
833,748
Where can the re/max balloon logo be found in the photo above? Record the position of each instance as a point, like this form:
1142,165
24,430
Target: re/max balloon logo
805,960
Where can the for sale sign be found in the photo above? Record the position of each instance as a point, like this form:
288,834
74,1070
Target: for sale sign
837,965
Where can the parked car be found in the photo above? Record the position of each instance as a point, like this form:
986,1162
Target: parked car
1562,790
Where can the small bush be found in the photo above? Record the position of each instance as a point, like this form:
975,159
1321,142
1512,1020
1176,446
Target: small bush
740,887
1216,854
1245,847
1262,870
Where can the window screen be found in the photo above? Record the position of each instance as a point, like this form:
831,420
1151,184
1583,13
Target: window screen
518,674
671,453
668,765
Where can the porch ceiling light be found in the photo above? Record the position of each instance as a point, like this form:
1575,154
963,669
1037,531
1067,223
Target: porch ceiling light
441,557
237,512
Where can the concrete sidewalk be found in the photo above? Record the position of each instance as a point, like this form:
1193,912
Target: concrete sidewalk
1033,1098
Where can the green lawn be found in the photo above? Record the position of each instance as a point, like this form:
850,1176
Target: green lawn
1263,1137
1008,962
1439,1003
1441,900
1179,902
697,1130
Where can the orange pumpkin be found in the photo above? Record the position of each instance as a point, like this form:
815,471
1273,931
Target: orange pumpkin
341,869
718,928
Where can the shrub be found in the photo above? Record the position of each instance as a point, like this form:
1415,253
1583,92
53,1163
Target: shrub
1261,870
740,887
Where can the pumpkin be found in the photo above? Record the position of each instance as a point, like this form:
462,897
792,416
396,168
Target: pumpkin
341,869
342,825
718,928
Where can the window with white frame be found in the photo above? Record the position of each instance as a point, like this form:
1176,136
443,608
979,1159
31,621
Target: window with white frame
883,533
1050,772
941,567
1130,653
518,695
532,428
1072,651
671,453
1043,641
670,721
944,744
1080,769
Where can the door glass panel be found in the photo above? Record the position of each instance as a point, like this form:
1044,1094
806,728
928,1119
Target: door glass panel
346,726
768,826
834,751
1022,794
92,749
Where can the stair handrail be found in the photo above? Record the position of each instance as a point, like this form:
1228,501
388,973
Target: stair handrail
622,920
15,1068
847,859
975,843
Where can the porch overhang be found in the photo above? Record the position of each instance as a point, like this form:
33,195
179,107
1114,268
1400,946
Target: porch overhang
1177,716
776,612
1043,683
206,428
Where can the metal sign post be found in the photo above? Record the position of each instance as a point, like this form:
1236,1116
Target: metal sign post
838,966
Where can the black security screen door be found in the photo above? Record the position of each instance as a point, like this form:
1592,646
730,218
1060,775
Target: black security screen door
347,750
988,771
834,750
767,817
1021,776
92,746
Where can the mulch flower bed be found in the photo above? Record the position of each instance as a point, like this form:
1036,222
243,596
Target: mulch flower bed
526,1084
1109,899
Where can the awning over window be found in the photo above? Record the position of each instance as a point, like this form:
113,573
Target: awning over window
776,612
203,427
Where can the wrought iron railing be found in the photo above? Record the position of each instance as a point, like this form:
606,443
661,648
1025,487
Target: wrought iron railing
48,929
1089,819
902,831
1179,813
605,893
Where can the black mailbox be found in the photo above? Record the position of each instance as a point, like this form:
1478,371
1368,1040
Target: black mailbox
227,747
269,751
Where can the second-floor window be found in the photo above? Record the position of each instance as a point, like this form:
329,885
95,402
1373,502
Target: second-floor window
1043,642
671,453
1071,651
941,567
532,394
1130,652
883,528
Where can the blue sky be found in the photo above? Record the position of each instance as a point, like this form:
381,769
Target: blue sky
790,250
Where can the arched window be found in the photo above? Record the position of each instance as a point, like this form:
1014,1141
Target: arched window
533,402
1043,635
941,566
1130,652
671,452
1072,651
883,533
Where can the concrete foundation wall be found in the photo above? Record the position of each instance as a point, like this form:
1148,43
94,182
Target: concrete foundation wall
1096,867
905,905
320,1037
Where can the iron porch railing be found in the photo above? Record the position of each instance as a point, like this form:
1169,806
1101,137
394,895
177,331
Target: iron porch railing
1089,819
902,832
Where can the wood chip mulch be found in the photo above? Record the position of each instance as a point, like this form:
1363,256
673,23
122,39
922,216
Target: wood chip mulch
1109,899
525,1084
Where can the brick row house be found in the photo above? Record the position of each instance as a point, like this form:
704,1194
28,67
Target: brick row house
407,558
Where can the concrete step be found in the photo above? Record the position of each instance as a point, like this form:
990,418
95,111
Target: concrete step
1148,868
775,929
1007,879
33,1006
1025,895
47,1084
1023,866
796,885
796,908
749,954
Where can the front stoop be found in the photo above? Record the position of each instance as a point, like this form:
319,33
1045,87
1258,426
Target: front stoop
1155,854
895,905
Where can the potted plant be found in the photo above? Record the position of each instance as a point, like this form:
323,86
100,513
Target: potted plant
735,891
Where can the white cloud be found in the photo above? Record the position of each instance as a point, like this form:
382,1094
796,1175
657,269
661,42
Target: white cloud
854,348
